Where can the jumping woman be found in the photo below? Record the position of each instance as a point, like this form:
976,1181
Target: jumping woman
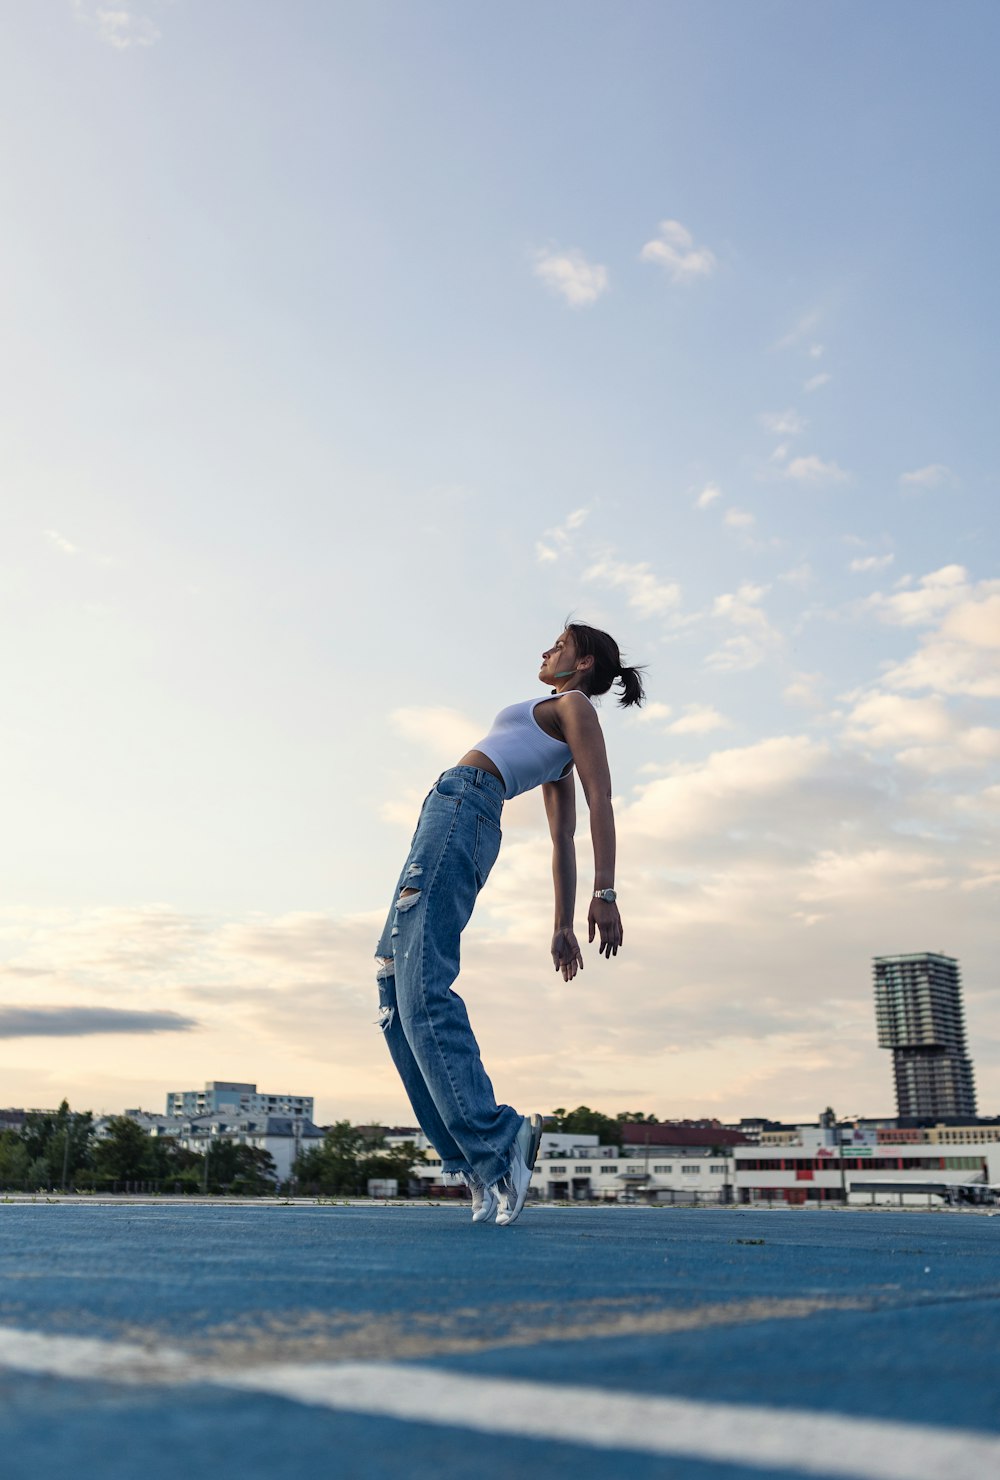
536,743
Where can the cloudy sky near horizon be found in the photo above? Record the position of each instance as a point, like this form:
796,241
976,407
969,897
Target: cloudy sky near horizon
346,349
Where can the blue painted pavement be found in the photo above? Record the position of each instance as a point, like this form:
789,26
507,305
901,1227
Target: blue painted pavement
870,1315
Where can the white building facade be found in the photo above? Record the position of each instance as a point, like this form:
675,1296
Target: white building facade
843,1164
283,1137
576,1168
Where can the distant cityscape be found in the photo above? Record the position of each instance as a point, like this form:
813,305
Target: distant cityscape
935,1150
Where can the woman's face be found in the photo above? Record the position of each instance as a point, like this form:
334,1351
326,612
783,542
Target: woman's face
559,658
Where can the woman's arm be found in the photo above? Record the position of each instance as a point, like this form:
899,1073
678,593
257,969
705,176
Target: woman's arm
585,738
560,809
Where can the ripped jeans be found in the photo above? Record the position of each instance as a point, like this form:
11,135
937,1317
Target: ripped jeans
425,1022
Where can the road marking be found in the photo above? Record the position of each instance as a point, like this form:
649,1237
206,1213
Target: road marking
757,1437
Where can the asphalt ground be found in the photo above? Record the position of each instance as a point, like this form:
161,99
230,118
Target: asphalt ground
270,1341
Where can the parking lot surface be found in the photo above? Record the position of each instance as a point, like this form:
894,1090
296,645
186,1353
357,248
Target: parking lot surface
269,1340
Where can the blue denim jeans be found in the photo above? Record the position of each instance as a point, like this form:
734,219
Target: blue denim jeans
424,1020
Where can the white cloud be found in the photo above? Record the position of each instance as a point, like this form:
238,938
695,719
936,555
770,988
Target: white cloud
815,382
708,495
118,25
807,322
644,593
890,720
570,275
936,592
739,518
736,655
845,874
922,733
976,621
742,606
800,575
699,719
783,423
649,713
816,351
804,691
961,655
871,562
675,252
931,476
813,469
558,541
61,543
748,648
702,807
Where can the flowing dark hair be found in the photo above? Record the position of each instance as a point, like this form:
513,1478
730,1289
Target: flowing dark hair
591,642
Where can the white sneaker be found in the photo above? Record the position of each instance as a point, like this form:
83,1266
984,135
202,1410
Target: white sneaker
483,1198
512,1188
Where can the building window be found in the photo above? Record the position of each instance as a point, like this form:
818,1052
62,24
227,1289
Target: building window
692,1171
581,1170
719,1169
557,1171
661,1169
608,1171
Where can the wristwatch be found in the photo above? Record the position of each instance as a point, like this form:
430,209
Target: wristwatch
609,894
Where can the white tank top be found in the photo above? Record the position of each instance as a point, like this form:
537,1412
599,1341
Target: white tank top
521,751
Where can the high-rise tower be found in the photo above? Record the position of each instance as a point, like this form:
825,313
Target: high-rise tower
918,1012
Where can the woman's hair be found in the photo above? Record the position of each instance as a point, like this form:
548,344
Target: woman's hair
608,666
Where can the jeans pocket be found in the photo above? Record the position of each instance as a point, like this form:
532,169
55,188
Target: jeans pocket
450,787
487,847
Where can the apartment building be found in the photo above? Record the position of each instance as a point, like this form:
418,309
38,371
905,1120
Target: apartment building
234,1097
919,1016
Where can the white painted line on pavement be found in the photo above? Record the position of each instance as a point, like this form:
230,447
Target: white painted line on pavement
799,1441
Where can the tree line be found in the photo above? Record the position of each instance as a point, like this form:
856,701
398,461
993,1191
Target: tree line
586,1122
60,1151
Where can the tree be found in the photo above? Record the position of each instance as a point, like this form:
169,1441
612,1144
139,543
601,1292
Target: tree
395,1162
59,1142
15,1162
348,1157
584,1122
125,1153
239,1169
333,1166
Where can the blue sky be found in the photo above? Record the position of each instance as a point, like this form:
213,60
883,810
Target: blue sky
347,348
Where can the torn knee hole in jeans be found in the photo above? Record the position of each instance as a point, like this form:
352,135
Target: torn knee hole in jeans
408,896
385,1017
386,967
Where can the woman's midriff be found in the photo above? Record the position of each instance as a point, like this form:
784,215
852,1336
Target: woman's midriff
476,758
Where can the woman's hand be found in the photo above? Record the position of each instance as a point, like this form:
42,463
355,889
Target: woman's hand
566,953
603,916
